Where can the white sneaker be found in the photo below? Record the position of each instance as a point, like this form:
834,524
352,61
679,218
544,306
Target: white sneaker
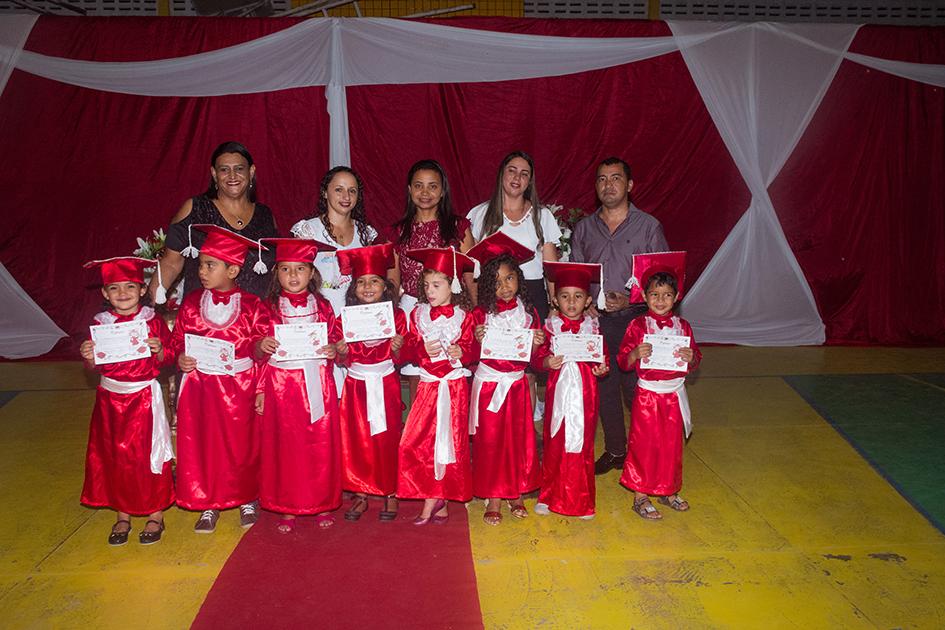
541,508
587,517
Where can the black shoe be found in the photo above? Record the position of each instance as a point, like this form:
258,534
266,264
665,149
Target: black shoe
149,538
607,462
117,539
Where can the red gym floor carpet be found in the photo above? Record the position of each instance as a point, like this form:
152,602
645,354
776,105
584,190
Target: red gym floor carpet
366,574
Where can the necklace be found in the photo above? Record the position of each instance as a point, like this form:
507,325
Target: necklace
518,221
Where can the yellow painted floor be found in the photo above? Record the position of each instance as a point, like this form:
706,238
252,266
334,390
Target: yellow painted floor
790,527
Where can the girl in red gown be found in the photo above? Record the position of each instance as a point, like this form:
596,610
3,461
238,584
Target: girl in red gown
370,399
434,450
128,460
570,420
660,418
300,446
505,457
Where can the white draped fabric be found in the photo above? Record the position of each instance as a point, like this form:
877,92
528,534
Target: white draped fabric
25,330
761,83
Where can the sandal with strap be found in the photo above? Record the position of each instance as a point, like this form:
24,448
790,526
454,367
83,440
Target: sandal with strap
149,538
388,514
324,520
285,525
518,510
358,507
117,539
675,501
646,510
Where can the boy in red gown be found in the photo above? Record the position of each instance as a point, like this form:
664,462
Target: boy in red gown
217,428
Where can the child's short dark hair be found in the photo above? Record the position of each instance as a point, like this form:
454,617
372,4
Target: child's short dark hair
390,295
661,278
487,283
461,299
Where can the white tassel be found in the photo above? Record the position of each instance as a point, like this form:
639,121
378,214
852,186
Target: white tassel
477,268
601,298
190,251
455,286
160,296
260,267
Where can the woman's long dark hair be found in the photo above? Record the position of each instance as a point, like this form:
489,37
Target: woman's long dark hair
493,218
487,283
357,213
448,222
230,147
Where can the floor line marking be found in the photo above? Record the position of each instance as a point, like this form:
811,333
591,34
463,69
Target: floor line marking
914,379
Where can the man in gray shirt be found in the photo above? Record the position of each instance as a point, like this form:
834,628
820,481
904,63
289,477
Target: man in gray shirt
611,236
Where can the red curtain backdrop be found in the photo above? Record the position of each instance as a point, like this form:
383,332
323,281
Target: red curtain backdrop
861,202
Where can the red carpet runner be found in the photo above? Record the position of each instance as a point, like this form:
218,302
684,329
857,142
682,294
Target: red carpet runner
366,574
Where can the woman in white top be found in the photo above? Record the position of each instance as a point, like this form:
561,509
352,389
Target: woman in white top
341,223
515,210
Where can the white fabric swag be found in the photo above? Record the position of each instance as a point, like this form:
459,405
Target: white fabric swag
761,83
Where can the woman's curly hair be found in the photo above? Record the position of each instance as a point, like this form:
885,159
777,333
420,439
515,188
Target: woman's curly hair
487,283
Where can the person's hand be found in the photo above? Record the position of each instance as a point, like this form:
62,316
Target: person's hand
329,351
592,310
341,347
643,351
433,348
260,400
154,344
186,364
480,333
396,343
87,350
454,352
685,354
554,362
267,345
616,301
600,369
538,337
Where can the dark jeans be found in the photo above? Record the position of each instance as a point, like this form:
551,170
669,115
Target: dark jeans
618,386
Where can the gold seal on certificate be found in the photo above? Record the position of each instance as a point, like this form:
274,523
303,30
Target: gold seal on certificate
588,348
507,344
213,356
126,341
368,321
664,353
300,341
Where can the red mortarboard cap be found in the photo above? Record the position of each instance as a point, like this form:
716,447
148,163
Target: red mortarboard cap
645,265
360,261
122,268
446,260
297,249
499,244
226,245
580,275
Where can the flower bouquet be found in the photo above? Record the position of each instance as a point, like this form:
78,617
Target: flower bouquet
567,218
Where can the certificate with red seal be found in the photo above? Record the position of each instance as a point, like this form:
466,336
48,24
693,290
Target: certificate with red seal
664,356
368,321
213,356
126,341
300,341
507,344
588,348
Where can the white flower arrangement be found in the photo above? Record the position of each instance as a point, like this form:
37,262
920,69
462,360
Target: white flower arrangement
151,247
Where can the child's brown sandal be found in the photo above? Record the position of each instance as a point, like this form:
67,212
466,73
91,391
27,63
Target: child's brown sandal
675,501
644,507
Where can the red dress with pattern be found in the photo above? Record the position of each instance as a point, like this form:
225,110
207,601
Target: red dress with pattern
654,447
567,485
419,476
426,234
118,458
505,455
300,450
217,426
370,461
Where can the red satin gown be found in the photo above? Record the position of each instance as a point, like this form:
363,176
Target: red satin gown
217,427
416,478
567,485
655,443
504,451
370,462
300,460
118,458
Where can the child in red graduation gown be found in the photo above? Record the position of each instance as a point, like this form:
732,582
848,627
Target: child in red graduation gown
217,429
660,419
505,458
370,401
300,453
128,461
571,397
434,450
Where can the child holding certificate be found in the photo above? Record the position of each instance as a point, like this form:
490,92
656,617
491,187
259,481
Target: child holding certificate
661,347
370,400
507,329
575,355
300,445
217,431
433,459
128,460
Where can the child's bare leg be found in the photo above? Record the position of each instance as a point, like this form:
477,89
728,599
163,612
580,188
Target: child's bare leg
427,510
158,517
122,523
